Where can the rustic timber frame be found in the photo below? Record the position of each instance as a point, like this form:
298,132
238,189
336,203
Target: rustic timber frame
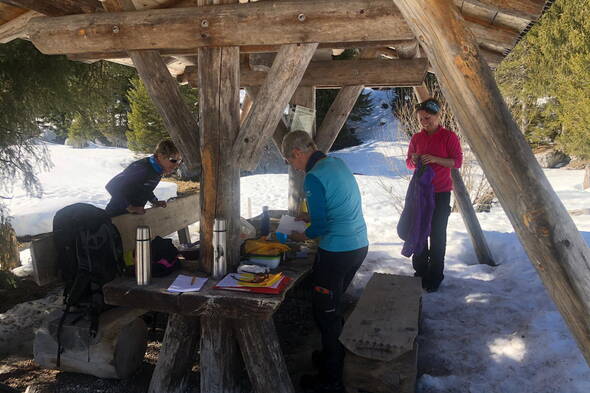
460,38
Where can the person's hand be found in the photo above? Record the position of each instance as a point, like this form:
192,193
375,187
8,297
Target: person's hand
415,158
302,217
160,204
429,159
135,209
298,236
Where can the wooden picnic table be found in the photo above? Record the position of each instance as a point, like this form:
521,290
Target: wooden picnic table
225,317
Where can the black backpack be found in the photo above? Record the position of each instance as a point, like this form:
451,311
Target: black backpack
90,254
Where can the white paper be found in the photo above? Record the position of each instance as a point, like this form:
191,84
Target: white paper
288,225
183,284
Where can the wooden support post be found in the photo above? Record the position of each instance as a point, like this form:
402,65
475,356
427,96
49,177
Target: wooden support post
220,357
281,129
586,184
304,96
480,245
422,93
165,94
263,356
282,80
336,116
549,236
220,122
177,355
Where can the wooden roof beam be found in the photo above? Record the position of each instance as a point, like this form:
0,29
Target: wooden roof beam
262,23
16,28
522,9
57,7
325,74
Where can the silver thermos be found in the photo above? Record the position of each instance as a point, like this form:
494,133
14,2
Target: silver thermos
143,259
219,244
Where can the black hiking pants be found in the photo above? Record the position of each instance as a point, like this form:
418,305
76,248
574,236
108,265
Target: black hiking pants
430,263
332,273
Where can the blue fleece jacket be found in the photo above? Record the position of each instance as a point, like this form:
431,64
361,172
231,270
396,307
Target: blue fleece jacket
334,204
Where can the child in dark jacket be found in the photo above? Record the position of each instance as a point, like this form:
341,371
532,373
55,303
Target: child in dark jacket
132,188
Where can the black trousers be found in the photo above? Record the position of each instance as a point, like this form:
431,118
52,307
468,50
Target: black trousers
430,263
332,273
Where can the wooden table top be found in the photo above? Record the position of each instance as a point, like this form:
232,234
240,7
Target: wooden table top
208,301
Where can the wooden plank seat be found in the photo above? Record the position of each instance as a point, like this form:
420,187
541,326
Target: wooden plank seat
119,346
380,336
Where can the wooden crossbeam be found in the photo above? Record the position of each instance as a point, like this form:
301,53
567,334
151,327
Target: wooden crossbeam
261,23
524,9
550,237
336,116
16,28
273,96
57,7
326,74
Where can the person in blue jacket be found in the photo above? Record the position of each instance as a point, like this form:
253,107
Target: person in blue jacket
132,188
336,217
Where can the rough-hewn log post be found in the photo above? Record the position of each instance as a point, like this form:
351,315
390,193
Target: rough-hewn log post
165,94
587,177
482,251
220,122
551,239
220,356
177,355
263,356
304,96
337,116
282,80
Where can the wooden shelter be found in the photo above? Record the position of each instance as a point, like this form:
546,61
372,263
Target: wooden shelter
280,51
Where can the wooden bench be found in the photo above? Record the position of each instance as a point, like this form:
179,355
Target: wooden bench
119,346
380,336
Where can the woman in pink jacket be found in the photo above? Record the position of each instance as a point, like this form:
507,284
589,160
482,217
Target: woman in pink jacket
440,148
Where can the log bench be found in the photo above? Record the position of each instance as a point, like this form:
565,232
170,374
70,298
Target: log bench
380,336
225,322
119,346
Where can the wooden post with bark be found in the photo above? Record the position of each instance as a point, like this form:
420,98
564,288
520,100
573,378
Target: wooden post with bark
480,246
549,236
337,116
220,122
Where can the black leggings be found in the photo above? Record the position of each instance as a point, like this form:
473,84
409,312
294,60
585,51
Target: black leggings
332,273
430,263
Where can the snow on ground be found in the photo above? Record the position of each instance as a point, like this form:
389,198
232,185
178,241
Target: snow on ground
487,330
78,175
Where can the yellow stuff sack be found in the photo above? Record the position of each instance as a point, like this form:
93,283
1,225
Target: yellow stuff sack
264,247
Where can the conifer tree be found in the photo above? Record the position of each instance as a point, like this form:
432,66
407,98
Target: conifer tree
146,126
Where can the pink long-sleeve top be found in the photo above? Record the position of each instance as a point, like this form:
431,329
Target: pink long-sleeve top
442,143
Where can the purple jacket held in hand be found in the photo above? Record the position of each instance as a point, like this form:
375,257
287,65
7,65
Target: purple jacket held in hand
414,223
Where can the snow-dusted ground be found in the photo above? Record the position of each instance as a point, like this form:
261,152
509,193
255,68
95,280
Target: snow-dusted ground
487,330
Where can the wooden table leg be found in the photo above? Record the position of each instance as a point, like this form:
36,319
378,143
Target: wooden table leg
177,355
220,356
263,356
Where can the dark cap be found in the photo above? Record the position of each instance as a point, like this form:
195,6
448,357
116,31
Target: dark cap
430,106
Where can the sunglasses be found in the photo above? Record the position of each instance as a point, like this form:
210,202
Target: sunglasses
174,160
